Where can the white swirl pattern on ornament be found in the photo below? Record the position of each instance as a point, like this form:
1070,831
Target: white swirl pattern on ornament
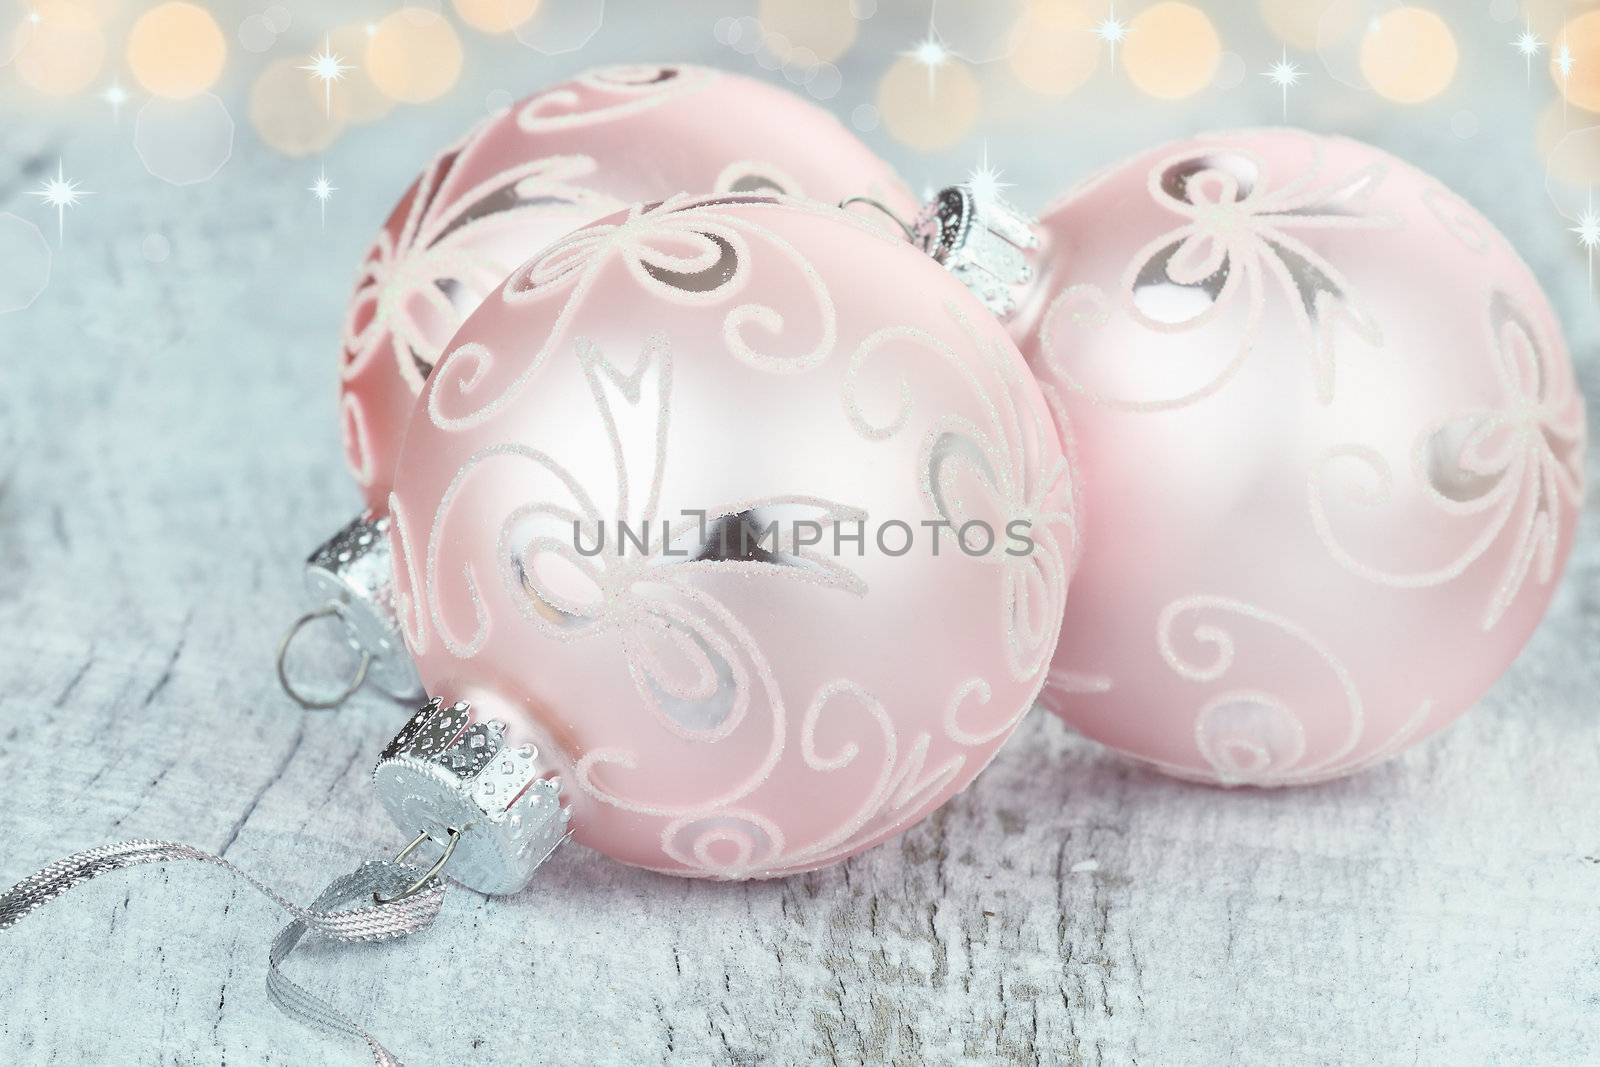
996,465
1247,735
408,285
1237,239
357,444
1456,216
1515,464
754,176
666,623
707,268
696,669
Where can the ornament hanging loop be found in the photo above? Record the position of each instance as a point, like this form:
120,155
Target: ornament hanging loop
427,877
312,703
905,227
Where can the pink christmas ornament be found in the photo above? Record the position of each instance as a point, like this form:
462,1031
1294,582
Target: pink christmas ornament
550,164
746,517
1330,454
553,162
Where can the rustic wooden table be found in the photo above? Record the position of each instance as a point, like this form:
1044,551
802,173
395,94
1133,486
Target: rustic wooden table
169,454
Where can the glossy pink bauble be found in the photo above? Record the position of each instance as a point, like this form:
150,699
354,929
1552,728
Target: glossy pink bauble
713,706
1330,454
551,163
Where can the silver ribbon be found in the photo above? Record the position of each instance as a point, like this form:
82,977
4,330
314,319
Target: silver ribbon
328,915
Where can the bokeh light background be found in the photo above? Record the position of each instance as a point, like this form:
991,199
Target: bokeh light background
197,135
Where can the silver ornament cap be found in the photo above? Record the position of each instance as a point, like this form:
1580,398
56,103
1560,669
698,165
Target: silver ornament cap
984,241
351,577
446,775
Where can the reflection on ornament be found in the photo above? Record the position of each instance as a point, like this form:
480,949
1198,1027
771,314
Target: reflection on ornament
183,141
61,50
413,55
1408,55
1171,51
929,106
176,50
287,111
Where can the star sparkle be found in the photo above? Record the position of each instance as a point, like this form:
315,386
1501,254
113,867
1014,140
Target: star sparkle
1588,233
322,189
1112,31
931,53
984,180
327,66
115,95
1528,44
60,193
1284,74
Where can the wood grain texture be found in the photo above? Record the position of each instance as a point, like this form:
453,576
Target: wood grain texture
169,456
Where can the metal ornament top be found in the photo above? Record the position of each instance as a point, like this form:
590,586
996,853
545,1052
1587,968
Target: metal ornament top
448,777
983,241
351,577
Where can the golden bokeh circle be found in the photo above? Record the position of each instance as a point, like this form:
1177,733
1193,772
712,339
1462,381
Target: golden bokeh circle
288,112
63,49
496,16
355,98
929,108
1294,22
1582,38
1171,50
827,27
1571,157
176,50
1056,49
1408,55
413,55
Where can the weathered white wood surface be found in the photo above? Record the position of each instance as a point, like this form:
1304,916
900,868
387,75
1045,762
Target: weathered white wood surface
171,454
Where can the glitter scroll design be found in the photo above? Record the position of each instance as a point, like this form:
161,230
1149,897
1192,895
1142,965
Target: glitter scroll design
1513,466
417,285
986,471
1237,242
683,250
1248,735
693,663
